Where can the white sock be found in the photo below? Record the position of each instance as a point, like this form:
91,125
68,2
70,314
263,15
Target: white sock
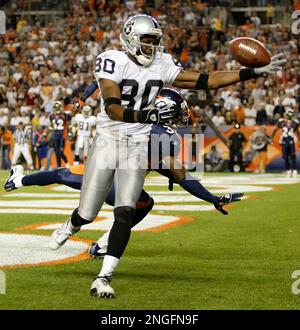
109,265
103,240
18,181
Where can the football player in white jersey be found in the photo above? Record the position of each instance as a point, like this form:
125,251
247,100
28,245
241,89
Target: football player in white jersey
83,124
129,81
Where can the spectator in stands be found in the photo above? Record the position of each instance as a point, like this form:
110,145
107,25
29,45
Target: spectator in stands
41,63
5,142
279,110
213,160
261,116
239,114
218,119
44,120
270,110
4,108
250,113
3,118
232,101
258,91
270,13
229,117
289,100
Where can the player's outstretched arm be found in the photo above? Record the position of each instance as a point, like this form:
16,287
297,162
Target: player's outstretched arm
218,79
179,175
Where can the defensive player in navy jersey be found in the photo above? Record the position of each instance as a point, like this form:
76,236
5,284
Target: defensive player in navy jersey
176,173
58,120
290,129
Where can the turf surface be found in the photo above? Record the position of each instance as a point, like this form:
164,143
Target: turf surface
240,261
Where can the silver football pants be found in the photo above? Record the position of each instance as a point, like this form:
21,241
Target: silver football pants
113,158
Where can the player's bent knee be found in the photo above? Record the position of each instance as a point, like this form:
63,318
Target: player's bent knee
77,220
143,204
124,215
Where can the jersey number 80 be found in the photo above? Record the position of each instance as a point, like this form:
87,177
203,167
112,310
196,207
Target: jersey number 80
108,65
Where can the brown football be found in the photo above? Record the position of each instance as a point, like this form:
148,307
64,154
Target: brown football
249,52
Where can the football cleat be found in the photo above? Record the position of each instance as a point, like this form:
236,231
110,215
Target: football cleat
97,252
101,287
61,235
15,172
227,199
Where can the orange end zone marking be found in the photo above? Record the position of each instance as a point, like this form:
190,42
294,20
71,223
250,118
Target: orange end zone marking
41,224
181,221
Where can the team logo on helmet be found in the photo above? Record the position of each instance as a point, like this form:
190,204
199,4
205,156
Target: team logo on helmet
128,28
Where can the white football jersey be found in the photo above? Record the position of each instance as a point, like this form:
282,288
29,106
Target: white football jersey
84,124
139,85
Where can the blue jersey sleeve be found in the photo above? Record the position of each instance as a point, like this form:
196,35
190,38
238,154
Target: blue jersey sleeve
90,90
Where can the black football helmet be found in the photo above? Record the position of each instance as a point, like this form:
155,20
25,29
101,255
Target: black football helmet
170,100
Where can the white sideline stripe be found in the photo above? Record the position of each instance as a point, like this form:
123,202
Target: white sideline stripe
67,210
151,221
224,181
53,195
183,207
163,196
253,179
72,203
35,211
41,195
33,249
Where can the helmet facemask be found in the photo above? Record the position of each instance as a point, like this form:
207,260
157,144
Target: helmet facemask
155,48
182,118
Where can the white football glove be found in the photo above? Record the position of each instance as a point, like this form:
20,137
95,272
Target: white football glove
275,65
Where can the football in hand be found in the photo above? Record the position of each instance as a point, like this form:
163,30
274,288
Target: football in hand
249,52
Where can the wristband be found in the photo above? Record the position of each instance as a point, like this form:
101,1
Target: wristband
247,73
202,82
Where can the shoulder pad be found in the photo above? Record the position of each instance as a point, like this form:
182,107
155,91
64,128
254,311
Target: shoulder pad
116,55
169,58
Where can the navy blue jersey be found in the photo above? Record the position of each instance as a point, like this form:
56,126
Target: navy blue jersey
58,122
164,141
289,128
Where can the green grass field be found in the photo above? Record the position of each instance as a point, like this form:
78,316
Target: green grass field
240,261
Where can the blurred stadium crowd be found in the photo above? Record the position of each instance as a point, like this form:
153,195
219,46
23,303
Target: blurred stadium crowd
40,64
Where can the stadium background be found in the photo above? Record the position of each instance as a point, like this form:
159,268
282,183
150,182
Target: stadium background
189,256
49,49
